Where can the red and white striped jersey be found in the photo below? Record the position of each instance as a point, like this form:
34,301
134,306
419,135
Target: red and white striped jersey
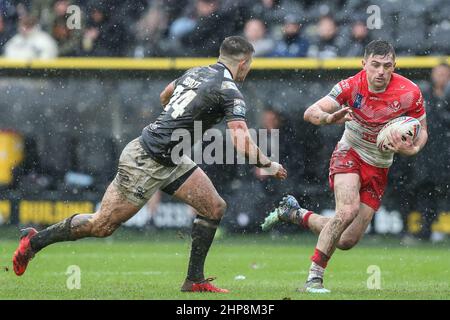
371,111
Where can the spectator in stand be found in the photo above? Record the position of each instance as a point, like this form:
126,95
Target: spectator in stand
149,31
255,32
68,40
432,166
104,35
210,30
8,22
273,12
326,45
6,31
292,44
173,8
42,10
237,12
440,78
184,24
275,122
31,42
354,45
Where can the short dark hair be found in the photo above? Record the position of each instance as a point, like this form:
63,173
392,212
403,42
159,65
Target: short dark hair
235,46
379,48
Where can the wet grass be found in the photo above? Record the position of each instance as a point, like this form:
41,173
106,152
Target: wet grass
252,267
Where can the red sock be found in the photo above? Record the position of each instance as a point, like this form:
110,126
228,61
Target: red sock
320,258
305,219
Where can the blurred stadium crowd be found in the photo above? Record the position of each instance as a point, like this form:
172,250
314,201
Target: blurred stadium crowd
278,28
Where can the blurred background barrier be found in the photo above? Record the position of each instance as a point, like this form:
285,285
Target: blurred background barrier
11,154
64,123
98,63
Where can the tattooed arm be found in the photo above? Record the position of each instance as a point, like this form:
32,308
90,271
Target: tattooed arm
326,111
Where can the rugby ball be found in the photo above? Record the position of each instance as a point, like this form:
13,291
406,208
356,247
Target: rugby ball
406,126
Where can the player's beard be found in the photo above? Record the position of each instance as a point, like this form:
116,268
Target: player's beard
379,85
240,76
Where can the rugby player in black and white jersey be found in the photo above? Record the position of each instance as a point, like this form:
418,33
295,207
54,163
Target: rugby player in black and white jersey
207,94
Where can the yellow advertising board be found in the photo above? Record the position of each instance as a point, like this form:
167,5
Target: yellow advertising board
49,212
11,154
5,211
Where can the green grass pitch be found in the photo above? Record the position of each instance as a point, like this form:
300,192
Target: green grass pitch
154,267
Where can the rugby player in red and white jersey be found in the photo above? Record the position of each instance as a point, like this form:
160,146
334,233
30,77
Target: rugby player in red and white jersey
358,170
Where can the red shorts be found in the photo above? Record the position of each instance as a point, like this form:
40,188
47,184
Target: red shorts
373,179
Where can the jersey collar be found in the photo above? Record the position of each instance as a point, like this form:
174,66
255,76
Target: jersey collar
375,91
228,73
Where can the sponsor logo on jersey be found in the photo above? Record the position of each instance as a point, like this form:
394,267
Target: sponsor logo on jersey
239,107
344,84
336,91
229,85
153,126
394,106
358,100
139,193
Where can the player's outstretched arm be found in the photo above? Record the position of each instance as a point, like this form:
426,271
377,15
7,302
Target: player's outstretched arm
166,94
326,111
245,145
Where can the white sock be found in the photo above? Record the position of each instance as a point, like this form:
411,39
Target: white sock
303,212
296,216
315,271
